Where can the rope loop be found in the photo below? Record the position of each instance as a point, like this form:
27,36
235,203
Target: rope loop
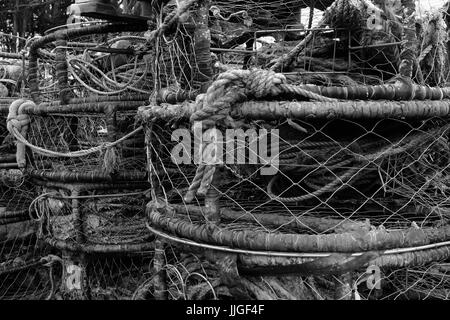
16,118
261,83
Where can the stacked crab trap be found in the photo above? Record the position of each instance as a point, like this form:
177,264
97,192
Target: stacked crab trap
229,149
78,143
315,166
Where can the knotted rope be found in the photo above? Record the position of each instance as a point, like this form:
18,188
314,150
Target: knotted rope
213,108
17,124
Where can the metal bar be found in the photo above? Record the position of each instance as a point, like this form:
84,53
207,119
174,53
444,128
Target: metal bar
380,45
233,51
112,50
314,72
9,166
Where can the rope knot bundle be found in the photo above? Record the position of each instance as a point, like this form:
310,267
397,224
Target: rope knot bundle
214,108
17,124
17,121
233,86
16,118
261,83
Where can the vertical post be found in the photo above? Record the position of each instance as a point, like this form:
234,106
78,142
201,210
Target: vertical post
408,52
79,217
74,284
311,15
33,76
112,154
25,20
16,24
212,208
201,56
160,292
148,129
61,68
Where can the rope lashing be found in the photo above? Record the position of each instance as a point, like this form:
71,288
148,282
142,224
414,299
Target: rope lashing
214,107
17,125
171,19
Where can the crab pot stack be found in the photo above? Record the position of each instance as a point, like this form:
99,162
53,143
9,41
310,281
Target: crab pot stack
11,77
22,273
311,183
78,142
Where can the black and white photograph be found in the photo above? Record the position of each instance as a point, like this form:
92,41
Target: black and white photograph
210,157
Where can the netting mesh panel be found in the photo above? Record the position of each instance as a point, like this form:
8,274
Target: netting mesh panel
265,14
22,274
415,283
111,216
392,172
71,132
119,277
364,47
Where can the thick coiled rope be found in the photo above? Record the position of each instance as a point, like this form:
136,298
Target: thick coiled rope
213,108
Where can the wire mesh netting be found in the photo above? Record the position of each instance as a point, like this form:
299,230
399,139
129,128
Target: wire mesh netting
289,150
340,168
22,273
94,59
65,132
355,183
82,218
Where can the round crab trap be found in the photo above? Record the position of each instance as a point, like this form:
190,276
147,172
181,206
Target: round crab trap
100,231
12,68
86,83
77,141
273,173
346,192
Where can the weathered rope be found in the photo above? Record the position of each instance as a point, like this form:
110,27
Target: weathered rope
389,258
252,239
214,107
